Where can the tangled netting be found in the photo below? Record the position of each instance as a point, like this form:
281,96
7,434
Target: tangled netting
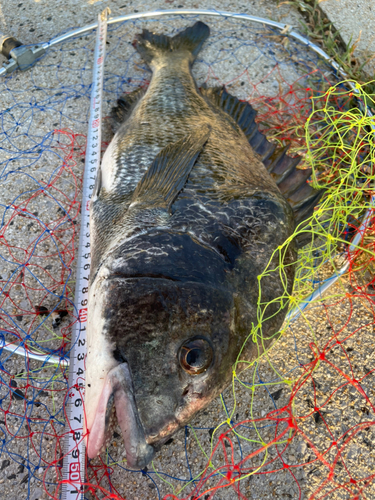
298,421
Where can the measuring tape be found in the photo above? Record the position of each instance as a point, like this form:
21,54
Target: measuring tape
74,448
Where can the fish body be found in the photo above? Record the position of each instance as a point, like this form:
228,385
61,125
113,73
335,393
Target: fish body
185,216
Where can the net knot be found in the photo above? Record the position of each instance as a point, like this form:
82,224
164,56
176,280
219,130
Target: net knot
291,423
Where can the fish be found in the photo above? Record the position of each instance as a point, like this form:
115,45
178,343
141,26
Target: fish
190,202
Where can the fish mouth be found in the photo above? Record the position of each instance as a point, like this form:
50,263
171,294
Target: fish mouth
118,391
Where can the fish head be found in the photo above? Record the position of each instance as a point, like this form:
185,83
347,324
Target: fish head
168,318
159,351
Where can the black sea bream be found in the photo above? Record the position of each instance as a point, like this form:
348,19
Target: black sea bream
190,203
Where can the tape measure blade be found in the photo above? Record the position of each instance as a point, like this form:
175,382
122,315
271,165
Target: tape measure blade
74,448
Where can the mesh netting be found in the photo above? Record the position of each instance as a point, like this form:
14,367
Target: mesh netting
298,421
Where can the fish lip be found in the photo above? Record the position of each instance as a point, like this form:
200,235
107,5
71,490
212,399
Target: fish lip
159,438
118,391
182,416
138,452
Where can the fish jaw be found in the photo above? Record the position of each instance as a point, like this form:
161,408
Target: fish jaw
108,384
99,362
98,433
138,452
118,390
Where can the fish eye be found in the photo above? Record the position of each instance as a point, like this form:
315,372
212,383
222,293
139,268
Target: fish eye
195,356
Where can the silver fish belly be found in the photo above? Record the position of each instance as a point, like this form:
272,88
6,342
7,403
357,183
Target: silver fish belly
190,202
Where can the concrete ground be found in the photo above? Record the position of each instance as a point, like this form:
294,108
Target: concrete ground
34,20
355,20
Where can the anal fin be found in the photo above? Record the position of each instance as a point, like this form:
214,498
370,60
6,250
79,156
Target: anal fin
170,170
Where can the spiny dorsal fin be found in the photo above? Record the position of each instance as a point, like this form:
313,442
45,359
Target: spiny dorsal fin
293,185
125,105
244,115
291,181
170,170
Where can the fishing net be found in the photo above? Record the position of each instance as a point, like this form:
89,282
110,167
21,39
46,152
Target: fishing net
298,421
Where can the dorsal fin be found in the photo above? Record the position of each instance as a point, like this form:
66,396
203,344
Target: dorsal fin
125,105
291,181
244,115
170,170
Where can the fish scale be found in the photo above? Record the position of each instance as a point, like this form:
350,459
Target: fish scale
184,219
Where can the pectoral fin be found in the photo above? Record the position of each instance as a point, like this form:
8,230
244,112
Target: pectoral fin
169,171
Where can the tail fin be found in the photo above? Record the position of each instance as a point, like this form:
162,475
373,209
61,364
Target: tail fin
150,45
